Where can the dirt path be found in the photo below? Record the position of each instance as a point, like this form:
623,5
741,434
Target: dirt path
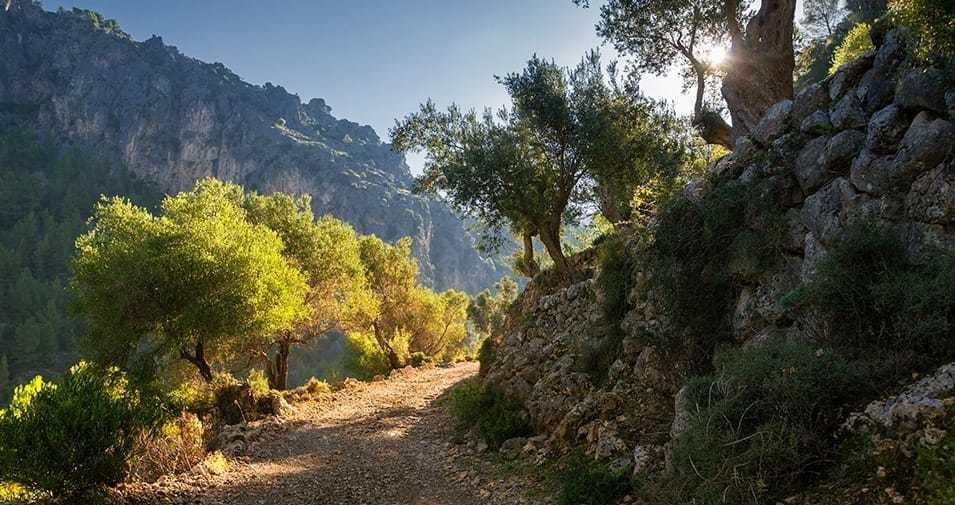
386,442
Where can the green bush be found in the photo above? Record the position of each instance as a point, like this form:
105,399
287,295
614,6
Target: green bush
363,357
487,354
614,282
72,437
700,252
931,21
882,308
587,482
496,417
856,43
761,425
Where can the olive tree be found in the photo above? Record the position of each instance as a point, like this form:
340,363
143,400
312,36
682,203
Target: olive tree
569,138
195,282
662,35
326,251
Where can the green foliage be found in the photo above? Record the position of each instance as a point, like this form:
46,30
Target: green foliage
588,482
258,382
487,312
821,17
497,417
934,471
487,354
882,306
530,169
856,43
614,282
664,34
364,358
73,436
932,22
700,252
177,446
760,426
197,282
43,208
615,279
398,315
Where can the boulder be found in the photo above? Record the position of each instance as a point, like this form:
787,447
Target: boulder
848,113
809,100
886,129
922,89
816,123
824,211
872,173
812,253
927,143
774,123
841,149
809,169
280,407
876,90
681,413
932,196
848,76
890,54
235,404
925,395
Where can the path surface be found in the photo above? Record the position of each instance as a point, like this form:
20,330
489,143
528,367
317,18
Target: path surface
386,442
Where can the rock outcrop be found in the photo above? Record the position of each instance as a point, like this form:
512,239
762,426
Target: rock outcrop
173,119
874,142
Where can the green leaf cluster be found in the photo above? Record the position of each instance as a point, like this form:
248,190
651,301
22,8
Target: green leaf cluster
72,437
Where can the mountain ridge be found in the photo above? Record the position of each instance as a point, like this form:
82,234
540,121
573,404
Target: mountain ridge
172,119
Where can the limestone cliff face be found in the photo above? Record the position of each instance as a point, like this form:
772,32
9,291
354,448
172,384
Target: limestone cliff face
874,142
174,119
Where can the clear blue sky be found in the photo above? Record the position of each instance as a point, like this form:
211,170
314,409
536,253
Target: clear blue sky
373,60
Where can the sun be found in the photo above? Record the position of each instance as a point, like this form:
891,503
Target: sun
715,55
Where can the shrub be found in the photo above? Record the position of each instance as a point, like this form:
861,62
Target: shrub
614,282
419,359
856,43
74,436
700,251
487,354
316,387
176,447
878,303
364,359
497,417
762,424
258,382
931,21
587,482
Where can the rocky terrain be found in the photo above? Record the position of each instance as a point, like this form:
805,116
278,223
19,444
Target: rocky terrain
874,142
80,80
384,442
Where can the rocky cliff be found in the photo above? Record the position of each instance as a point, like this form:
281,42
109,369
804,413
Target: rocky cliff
874,142
173,119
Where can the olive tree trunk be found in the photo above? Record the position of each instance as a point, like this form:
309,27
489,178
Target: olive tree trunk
759,70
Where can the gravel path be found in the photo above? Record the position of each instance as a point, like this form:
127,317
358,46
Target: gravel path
386,442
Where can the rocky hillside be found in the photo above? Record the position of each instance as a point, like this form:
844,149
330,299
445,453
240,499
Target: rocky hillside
173,119
872,144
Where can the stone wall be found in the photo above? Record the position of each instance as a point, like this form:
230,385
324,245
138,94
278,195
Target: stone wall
873,142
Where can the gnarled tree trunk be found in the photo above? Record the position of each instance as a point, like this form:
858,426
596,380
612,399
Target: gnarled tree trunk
759,70
277,370
712,128
199,361
531,268
550,236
